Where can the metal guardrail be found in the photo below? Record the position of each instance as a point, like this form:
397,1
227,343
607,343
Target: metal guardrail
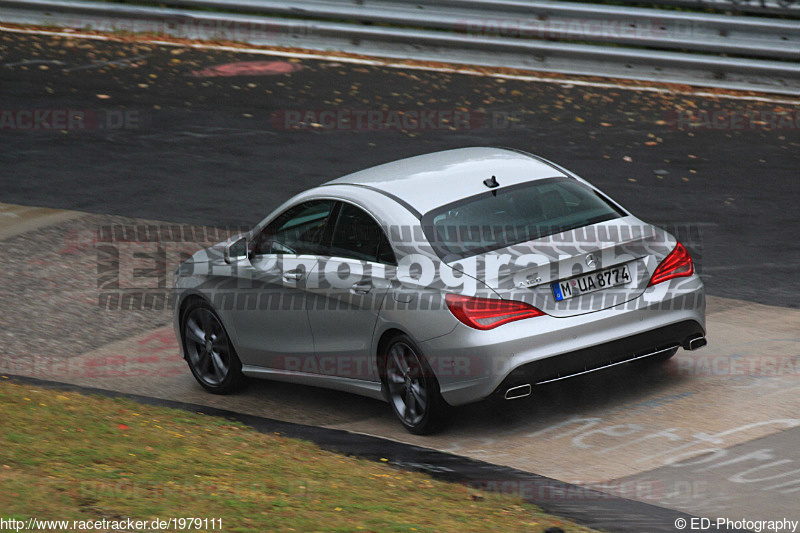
751,53
740,36
762,7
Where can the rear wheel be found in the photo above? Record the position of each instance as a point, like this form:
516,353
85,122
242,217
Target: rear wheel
209,351
411,387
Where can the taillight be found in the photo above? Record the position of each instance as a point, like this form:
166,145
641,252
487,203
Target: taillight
677,264
487,313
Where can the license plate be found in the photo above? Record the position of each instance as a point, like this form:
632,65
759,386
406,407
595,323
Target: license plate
602,279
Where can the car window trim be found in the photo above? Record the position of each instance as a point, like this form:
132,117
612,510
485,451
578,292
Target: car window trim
257,234
327,232
400,201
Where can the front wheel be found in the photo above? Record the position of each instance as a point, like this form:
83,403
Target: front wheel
209,351
411,388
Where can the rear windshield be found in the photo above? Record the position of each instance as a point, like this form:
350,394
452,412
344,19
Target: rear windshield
511,215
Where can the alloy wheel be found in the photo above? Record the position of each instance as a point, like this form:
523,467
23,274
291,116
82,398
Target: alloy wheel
207,346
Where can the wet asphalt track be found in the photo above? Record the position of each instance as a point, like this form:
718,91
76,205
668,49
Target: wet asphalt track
206,150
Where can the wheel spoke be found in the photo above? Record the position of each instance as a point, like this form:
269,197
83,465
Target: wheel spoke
219,367
413,370
400,363
194,332
203,360
410,405
395,378
215,328
419,395
401,408
207,321
220,345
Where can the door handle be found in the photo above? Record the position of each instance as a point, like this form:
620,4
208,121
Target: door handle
293,275
362,287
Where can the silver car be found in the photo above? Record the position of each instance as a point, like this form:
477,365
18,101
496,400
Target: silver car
436,281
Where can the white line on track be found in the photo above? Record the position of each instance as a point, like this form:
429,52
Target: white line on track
400,65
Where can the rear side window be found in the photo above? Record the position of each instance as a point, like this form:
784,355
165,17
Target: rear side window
356,235
511,215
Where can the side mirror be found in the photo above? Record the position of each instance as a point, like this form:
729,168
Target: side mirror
236,251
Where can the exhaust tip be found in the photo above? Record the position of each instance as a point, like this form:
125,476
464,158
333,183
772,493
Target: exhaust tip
695,343
521,391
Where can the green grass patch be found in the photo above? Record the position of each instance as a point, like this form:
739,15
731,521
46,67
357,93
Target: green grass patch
70,456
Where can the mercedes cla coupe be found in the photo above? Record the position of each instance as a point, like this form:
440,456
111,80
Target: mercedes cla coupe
436,281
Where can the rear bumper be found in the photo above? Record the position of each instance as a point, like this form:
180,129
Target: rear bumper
640,346
471,365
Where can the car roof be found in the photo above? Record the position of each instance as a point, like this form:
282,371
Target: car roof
425,182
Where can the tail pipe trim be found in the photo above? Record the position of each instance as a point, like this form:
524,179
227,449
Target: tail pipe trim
694,343
520,391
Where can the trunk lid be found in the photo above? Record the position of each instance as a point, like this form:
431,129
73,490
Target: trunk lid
527,271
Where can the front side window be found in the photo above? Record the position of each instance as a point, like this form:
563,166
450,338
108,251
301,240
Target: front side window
356,235
298,230
512,215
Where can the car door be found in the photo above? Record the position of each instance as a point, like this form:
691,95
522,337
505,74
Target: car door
272,322
351,282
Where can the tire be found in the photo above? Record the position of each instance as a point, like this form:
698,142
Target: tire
411,387
209,351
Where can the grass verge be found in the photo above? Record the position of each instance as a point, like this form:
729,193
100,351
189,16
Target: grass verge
69,456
